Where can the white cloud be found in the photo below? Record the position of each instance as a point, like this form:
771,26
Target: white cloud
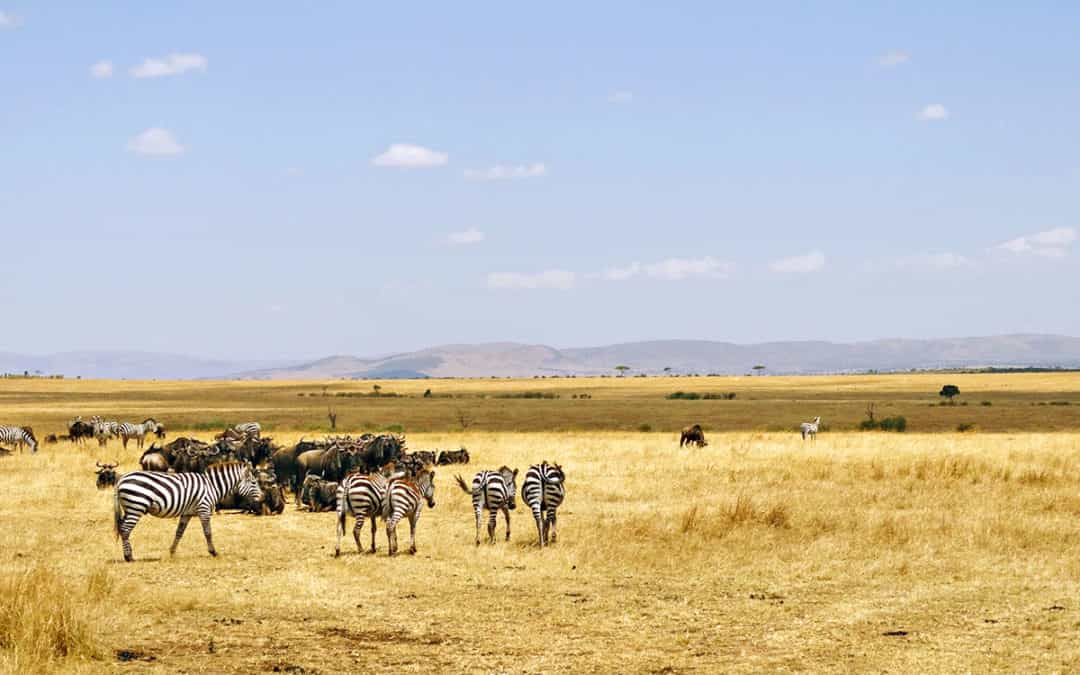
677,269
799,264
557,279
409,156
942,261
934,112
500,172
621,97
9,20
469,236
173,64
156,142
1053,243
893,58
621,273
101,70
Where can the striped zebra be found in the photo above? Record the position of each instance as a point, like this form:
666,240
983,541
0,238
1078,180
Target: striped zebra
810,429
104,429
183,495
494,491
19,436
249,429
543,490
126,431
362,496
403,496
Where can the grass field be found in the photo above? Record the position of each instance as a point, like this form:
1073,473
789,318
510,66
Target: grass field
916,552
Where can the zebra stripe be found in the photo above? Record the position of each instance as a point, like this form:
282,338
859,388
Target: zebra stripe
252,429
403,498
126,431
104,429
363,497
494,491
544,489
183,495
19,436
810,428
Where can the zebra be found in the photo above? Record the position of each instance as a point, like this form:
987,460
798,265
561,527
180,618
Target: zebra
362,496
249,429
493,490
126,431
810,429
104,429
183,495
403,497
543,490
19,436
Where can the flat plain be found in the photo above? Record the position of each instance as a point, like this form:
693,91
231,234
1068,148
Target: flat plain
930,550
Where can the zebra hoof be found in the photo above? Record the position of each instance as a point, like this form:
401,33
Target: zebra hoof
213,553
412,551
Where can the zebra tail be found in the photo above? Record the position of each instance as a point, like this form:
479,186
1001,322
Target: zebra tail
118,512
461,483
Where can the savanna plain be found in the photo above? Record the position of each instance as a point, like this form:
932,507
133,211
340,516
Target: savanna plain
931,550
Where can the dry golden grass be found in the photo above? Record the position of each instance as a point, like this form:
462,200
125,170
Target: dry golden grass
757,553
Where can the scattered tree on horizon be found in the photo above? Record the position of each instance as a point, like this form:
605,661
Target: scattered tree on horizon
622,370
759,368
949,391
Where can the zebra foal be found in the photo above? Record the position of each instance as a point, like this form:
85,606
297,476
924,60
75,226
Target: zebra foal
183,495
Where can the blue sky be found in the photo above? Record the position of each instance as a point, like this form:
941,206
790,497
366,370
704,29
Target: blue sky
268,180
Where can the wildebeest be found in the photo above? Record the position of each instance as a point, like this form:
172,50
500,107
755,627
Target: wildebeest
453,457
51,439
106,475
154,460
693,435
79,431
273,500
318,494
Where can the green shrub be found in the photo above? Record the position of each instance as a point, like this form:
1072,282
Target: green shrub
684,396
898,424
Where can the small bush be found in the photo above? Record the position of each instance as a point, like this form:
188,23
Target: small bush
898,424
530,395
722,396
965,427
644,428
1059,403
427,393
987,403
684,396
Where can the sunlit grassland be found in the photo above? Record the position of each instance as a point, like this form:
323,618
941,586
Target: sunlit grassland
758,552
988,402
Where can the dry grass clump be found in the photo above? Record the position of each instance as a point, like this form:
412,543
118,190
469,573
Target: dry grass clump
742,511
46,618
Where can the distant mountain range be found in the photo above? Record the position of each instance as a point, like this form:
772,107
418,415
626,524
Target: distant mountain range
506,359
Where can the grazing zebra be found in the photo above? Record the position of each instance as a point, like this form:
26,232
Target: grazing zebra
403,497
810,429
19,436
363,497
126,431
543,490
183,495
494,491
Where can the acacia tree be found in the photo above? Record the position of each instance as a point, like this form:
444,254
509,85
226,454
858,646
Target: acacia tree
948,391
759,368
622,370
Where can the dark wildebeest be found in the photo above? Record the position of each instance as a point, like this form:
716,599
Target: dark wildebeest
318,494
273,501
160,431
154,460
693,435
106,475
453,457
51,439
324,463
79,431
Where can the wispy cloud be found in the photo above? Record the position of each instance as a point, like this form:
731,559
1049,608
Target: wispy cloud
933,113
561,280
408,156
469,236
671,269
501,172
621,97
893,58
173,64
155,142
941,261
101,70
8,20
1053,243
799,264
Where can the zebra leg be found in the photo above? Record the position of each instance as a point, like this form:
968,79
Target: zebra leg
491,526
413,518
130,520
391,534
476,505
539,518
372,534
204,518
506,513
551,526
180,527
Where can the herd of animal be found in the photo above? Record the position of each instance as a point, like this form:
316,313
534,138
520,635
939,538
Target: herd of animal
368,477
